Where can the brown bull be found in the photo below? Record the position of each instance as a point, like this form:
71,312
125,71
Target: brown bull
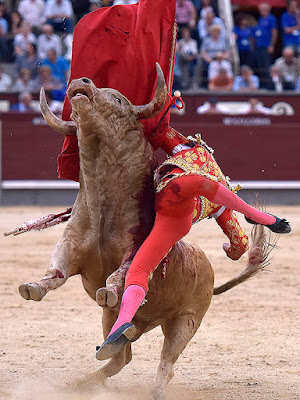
113,214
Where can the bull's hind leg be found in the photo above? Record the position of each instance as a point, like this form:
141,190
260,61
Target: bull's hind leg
60,270
178,332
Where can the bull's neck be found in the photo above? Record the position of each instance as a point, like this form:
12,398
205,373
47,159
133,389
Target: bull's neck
113,175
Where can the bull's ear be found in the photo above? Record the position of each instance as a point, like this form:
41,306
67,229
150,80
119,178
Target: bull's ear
65,127
156,105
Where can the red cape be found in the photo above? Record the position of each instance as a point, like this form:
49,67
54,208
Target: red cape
118,47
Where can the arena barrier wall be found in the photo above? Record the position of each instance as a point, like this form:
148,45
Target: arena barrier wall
259,151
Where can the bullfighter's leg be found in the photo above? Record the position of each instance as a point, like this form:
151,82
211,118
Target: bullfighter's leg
178,332
238,239
60,270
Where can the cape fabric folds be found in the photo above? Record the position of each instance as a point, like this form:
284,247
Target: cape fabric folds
117,47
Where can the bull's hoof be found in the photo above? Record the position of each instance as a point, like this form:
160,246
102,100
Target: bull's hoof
106,297
31,291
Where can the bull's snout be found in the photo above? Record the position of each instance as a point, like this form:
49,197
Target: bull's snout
86,80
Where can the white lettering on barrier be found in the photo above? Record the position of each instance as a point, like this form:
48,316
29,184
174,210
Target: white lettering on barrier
254,121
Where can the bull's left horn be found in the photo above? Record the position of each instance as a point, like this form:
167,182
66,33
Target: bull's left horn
156,105
65,127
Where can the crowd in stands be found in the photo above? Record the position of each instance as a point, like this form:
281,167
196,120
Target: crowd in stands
205,58
36,41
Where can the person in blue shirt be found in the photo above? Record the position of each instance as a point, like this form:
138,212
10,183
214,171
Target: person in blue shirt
243,37
246,81
59,65
265,35
290,24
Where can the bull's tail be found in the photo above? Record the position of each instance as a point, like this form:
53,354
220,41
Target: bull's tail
258,259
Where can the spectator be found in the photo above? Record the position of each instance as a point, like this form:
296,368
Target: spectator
206,5
221,82
187,51
15,23
208,21
185,14
24,83
48,40
219,63
5,81
211,106
243,37
94,5
29,61
288,65
80,8
59,65
22,39
25,98
265,35
290,25
212,44
3,37
59,14
4,11
246,82
276,79
46,80
254,106
68,43
32,11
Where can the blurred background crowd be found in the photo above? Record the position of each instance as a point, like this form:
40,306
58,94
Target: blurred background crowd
36,46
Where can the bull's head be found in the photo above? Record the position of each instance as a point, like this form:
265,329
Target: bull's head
84,97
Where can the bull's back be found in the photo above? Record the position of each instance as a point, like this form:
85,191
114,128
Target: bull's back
186,288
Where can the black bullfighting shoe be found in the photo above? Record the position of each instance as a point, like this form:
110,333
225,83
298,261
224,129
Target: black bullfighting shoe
116,341
281,225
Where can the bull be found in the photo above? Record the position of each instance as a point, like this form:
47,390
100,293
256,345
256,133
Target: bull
113,214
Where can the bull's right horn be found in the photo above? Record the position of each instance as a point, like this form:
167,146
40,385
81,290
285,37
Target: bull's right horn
65,127
158,101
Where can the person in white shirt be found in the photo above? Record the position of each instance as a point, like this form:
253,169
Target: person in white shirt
211,106
48,40
32,11
219,63
5,81
254,106
207,21
60,15
22,39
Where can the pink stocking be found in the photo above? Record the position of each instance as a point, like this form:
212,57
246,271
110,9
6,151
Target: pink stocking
131,300
226,198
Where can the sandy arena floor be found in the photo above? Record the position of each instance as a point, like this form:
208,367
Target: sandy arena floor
246,349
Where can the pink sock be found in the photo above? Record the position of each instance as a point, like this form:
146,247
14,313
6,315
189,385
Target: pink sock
131,300
228,199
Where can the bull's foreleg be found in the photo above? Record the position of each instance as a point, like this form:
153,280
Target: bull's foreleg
109,296
178,332
62,266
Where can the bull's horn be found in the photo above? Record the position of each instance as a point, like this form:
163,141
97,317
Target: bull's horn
65,127
155,106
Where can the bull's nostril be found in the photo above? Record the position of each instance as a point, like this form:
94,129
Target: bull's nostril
86,80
